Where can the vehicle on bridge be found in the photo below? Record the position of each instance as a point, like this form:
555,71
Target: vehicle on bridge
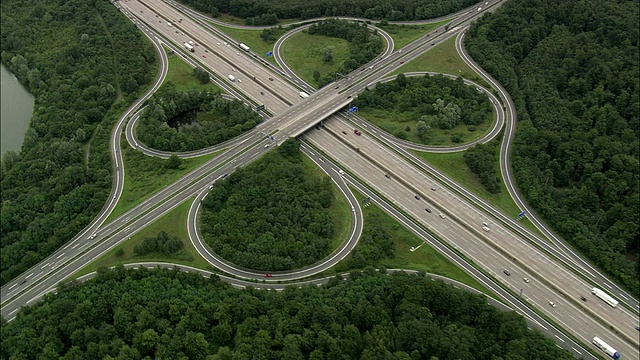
605,297
606,348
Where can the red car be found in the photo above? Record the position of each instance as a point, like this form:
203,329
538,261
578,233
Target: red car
268,275
357,132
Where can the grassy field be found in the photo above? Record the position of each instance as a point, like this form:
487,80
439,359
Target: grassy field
396,122
181,75
425,258
173,223
454,166
145,175
303,53
405,34
443,58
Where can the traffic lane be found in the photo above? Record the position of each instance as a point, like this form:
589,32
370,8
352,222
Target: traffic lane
448,202
452,233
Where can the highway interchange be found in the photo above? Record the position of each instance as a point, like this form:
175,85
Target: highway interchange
556,273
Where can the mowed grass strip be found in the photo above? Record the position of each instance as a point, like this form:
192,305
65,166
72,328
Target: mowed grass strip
181,75
454,165
405,34
145,175
303,53
174,224
443,58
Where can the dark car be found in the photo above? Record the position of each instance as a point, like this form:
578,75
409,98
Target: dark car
349,97
428,210
357,132
387,176
344,132
337,87
506,272
22,282
401,62
583,298
417,197
270,79
434,189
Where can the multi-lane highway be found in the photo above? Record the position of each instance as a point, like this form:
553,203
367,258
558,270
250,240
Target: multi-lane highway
293,118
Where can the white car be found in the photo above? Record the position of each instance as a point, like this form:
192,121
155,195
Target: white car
525,280
442,216
552,304
485,228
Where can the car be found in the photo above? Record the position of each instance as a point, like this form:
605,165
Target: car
337,87
267,145
204,56
238,53
317,127
341,172
506,272
485,228
270,79
349,97
552,304
344,132
225,175
525,280
93,236
442,216
428,210
357,132
205,50
433,189
22,282
583,298
638,328
401,62
484,223
218,44
417,197
268,275
387,176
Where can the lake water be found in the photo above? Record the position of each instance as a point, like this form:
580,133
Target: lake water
16,108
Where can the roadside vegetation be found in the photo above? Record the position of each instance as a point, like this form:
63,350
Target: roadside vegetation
273,215
173,225
576,152
183,78
404,34
432,110
145,175
134,314
443,58
317,60
85,63
257,12
194,120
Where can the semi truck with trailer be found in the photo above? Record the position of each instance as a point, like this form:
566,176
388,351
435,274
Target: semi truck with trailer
606,348
243,47
605,297
189,47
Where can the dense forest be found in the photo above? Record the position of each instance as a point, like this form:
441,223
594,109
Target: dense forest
482,159
270,215
175,121
263,12
84,62
164,314
572,70
428,102
365,45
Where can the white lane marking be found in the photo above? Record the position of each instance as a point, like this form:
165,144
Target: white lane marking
44,266
624,297
559,338
576,350
12,286
59,256
607,285
28,276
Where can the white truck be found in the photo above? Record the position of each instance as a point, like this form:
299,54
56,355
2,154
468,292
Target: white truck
243,47
606,348
232,78
304,95
605,297
189,47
